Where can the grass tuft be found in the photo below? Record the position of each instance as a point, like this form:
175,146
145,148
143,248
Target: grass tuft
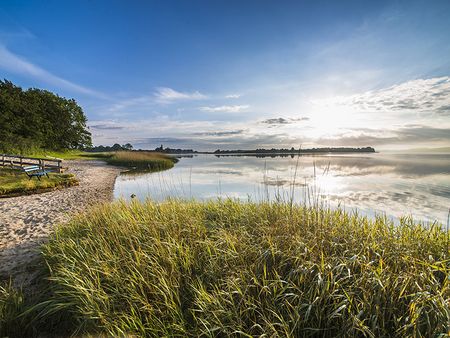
11,308
226,267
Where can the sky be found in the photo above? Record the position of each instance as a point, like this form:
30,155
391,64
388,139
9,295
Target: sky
240,74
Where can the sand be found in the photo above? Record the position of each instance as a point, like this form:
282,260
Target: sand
27,221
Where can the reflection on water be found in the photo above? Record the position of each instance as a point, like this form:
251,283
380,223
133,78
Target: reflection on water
417,185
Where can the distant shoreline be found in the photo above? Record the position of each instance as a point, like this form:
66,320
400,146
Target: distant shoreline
283,154
292,151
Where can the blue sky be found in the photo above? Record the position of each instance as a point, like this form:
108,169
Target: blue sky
240,74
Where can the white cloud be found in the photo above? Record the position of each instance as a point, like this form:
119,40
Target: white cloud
282,121
165,94
225,109
405,135
145,102
233,96
17,64
421,95
122,106
386,119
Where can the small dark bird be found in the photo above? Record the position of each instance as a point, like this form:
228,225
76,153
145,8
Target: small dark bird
133,196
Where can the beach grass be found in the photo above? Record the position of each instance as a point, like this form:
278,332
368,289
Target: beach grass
11,304
141,160
231,268
14,182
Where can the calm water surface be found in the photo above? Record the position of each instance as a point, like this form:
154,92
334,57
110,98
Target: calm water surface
395,185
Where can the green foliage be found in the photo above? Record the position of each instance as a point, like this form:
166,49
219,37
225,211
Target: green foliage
26,314
15,182
114,147
33,119
226,268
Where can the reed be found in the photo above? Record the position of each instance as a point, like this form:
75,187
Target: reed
141,160
225,267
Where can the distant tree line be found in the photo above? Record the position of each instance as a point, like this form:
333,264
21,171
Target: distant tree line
265,152
114,147
167,150
35,119
297,151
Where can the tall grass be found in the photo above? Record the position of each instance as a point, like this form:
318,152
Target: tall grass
11,304
231,268
141,160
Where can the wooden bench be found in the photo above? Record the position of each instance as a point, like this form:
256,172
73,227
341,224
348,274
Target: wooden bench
17,161
35,170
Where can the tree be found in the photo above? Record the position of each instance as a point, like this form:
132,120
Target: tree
116,147
37,118
127,146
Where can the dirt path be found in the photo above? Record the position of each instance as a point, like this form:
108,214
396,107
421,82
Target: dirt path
26,221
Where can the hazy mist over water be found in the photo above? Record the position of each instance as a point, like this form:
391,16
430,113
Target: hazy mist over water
394,184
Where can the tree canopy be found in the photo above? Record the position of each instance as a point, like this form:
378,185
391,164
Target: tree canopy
38,119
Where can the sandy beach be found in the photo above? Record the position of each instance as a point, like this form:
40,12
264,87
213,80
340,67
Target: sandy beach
26,221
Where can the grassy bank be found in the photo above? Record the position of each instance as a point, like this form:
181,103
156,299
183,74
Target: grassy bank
15,182
231,268
64,155
140,160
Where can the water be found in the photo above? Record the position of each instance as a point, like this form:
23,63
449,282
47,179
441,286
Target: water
395,185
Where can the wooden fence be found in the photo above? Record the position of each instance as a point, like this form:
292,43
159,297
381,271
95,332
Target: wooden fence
16,161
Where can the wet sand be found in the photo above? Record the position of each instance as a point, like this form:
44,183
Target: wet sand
26,221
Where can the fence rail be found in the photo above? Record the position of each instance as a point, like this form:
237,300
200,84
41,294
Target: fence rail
19,161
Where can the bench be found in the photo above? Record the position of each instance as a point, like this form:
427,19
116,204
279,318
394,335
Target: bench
35,170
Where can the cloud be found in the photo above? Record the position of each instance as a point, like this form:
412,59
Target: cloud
241,141
408,134
282,120
19,65
199,135
444,110
106,127
421,95
220,133
225,109
165,94
162,95
126,105
278,120
233,96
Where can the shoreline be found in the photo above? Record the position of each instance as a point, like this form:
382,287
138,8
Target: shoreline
26,221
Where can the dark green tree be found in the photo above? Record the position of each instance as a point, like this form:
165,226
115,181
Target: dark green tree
127,146
38,119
